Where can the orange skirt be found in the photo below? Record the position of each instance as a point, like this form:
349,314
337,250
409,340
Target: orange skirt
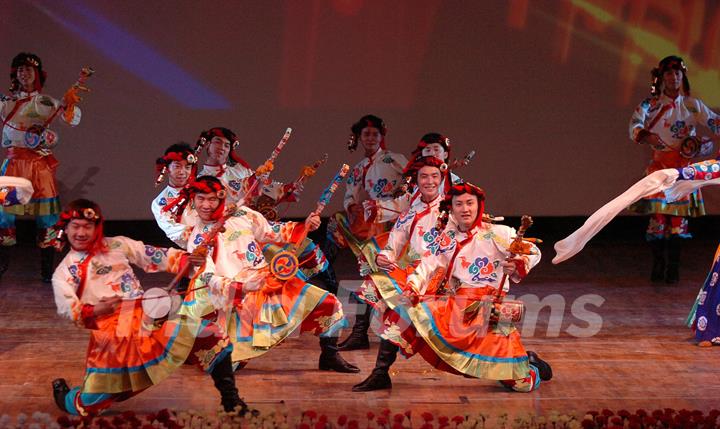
269,315
40,171
125,355
451,332
691,205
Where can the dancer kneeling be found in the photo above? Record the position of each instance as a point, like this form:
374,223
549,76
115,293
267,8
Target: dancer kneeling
259,309
443,309
95,287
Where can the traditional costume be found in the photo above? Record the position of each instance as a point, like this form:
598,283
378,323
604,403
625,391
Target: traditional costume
177,231
674,122
258,309
238,177
388,210
451,296
128,352
26,118
376,177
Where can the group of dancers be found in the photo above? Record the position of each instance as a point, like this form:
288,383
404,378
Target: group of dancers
435,267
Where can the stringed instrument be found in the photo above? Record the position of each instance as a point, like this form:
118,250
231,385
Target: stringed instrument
285,265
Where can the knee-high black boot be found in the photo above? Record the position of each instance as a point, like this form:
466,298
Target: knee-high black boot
658,265
358,338
672,274
60,391
222,375
330,359
47,264
379,378
326,280
4,259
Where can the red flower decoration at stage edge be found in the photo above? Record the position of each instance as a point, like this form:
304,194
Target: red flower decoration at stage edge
370,415
342,420
399,418
428,417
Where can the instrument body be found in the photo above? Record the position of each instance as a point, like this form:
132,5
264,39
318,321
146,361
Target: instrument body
285,264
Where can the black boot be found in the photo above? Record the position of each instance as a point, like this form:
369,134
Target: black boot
4,259
379,378
672,274
47,264
224,380
326,280
358,338
60,391
330,250
182,285
330,359
658,265
544,369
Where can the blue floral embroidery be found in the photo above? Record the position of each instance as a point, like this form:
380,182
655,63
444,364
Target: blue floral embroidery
162,201
126,282
155,253
402,220
73,269
431,238
275,227
355,177
235,185
198,239
679,129
254,254
378,188
483,270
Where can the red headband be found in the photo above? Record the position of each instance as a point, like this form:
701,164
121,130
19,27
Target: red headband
465,188
413,167
87,213
177,206
169,157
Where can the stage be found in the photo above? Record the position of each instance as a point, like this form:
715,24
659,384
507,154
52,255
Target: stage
641,357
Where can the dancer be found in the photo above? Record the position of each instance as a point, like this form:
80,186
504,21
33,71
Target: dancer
179,164
26,117
431,144
443,309
259,309
96,288
667,121
376,177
